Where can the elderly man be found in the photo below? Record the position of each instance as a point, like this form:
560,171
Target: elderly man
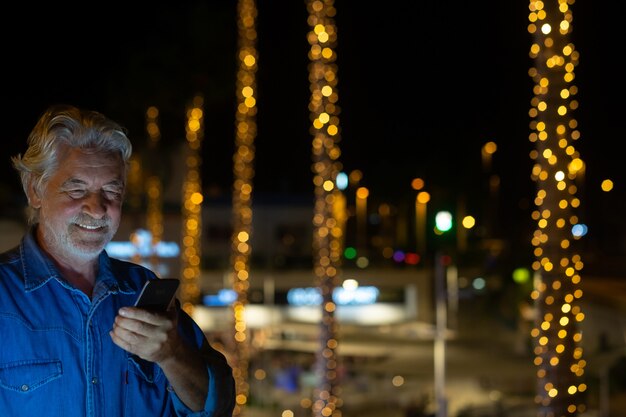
72,342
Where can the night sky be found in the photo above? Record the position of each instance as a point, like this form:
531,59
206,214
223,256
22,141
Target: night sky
422,86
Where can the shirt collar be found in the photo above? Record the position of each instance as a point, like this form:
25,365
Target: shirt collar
39,269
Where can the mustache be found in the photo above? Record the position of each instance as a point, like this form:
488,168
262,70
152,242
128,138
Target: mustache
86,220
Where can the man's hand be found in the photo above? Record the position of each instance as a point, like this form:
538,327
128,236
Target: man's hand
151,336
154,337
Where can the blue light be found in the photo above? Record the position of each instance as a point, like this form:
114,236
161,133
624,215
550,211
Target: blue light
579,230
398,256
223,298
304,296
311,296
227,296
166,249
141,244
358,296
342,181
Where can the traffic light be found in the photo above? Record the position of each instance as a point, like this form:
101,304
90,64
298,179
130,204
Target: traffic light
443,221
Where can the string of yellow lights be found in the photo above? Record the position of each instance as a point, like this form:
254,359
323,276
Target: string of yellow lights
329,209
189,292
243,173
557,167
154,206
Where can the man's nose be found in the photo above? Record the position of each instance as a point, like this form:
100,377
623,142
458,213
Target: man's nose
95,205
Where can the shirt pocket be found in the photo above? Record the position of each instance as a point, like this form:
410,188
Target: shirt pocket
28,375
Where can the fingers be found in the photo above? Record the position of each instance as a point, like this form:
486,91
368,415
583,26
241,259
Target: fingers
146,345
141,332
126,342
143,315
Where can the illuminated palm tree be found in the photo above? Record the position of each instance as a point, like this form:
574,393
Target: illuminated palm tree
243,173
554,131
329,211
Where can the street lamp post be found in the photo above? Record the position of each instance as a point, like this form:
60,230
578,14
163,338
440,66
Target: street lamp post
443,224
420,221
361,218
440,336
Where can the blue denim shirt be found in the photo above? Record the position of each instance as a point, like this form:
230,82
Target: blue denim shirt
58,360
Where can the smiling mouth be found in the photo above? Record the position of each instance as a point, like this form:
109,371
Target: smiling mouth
89,227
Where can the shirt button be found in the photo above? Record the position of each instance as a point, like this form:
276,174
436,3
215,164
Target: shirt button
170,389
94,380
24,387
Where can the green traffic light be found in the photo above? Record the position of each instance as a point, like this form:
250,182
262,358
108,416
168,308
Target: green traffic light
349,252
443,221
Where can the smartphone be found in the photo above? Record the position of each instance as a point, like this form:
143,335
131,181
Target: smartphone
157,294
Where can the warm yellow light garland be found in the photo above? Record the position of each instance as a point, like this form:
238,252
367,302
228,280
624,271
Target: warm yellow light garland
154,205
243,173
189,293
558,166
329,210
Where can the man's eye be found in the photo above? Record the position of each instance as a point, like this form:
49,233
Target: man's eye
76,193
112,195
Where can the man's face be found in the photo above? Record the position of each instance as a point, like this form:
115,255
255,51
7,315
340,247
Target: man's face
80,205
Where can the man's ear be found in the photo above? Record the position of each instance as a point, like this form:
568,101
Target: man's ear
33,194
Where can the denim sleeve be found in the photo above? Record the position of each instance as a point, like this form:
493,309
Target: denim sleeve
220,401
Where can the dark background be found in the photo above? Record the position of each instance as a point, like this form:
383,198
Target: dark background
422,86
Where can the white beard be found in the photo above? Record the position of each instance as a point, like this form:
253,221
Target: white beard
76,243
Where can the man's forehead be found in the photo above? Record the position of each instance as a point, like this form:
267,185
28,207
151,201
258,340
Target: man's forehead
79,165
79,182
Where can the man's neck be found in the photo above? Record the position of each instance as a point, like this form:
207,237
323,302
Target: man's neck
83,279
78,271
